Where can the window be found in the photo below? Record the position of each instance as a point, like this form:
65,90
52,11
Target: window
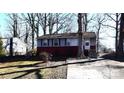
68,43
56,42
87,43
50,42
39,43
62,42
44,43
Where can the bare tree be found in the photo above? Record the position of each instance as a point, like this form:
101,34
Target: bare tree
80,30
14,24
115,17
26,36
51,22
100,19
31,23
63,22
37,25
42,20
87,20
55,22
31,20
121,36
95,24
13,28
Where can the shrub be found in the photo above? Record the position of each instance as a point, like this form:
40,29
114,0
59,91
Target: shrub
45,56
2,51
32,52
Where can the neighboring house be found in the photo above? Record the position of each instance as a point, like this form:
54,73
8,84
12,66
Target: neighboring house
66,44
19,47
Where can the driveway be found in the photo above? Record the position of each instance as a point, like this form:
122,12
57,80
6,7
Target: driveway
102,69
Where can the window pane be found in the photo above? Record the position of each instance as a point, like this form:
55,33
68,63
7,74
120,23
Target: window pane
44,43
50,42
68,42
56,42
62,42
87,43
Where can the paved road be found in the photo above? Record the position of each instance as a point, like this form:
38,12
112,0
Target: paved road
103,69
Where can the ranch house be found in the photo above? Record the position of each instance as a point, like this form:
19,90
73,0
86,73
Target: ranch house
66,44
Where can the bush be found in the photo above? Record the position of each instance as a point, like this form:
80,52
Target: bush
32,52
2,51
45,56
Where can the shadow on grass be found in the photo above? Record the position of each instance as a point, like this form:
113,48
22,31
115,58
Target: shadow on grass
4,59
21,66
113,56
19,58
37,74
115,66
37,69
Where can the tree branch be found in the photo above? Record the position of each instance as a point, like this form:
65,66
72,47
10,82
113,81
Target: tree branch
110,17
109,26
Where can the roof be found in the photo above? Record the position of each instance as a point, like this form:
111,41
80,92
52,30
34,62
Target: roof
68,35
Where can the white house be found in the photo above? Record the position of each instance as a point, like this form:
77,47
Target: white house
19,47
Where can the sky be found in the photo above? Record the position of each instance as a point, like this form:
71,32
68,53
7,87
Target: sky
106,40
3,24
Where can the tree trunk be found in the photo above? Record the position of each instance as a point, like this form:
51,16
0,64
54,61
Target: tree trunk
121,36
33,37
97,51
11,47
45,19
37,25
26,38
80,52
97,42
33,28
116,37
57,21
15,25
85,22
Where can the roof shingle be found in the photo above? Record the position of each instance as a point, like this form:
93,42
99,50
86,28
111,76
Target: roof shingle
68,35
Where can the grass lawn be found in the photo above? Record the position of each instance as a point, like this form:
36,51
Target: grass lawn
32,70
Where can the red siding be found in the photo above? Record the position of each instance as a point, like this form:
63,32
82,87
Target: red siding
60,51
92,47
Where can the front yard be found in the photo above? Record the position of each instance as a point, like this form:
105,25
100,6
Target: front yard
33,70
